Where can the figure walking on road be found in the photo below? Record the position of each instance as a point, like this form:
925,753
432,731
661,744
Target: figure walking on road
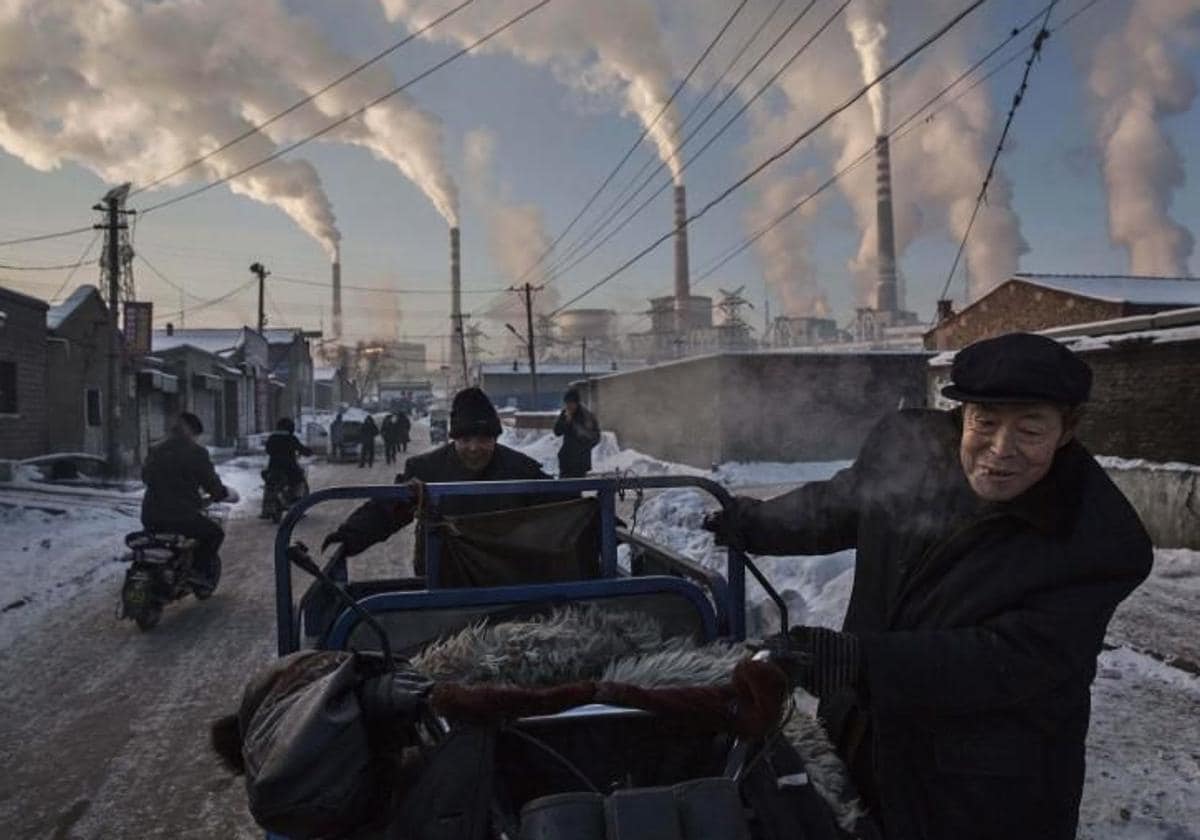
388,431
580,433
366,442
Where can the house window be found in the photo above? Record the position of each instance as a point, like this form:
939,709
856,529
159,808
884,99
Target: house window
8,387
93,407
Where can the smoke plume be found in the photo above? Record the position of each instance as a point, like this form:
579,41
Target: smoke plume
133,90
612,47
1138,79
783,250
865,20
516,232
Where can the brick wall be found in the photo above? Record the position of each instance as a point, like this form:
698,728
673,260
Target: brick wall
1145,401
23,341
1017,306
75,363
757,406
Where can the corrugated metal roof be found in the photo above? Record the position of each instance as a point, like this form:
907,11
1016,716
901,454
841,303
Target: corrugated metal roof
1167,291
209,340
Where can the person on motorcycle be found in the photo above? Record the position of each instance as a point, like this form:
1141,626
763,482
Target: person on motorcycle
471,455
175,472
282,448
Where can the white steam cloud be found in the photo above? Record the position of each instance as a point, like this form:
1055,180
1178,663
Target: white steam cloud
783,250
866,22
613,46
516,232
133,90
1138,78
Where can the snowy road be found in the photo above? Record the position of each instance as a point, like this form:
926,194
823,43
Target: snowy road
104,731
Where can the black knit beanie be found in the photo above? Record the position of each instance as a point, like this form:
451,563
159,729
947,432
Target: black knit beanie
472,413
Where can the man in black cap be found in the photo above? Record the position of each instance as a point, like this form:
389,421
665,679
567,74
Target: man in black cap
472,454
992,550
175,472
580,433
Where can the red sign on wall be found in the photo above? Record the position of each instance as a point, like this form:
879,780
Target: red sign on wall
138,326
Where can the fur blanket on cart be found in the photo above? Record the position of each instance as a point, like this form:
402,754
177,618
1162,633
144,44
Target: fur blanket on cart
577,655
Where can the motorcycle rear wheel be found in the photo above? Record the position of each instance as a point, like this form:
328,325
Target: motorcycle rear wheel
147,616
203,593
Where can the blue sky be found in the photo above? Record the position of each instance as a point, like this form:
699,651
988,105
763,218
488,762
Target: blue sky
553,146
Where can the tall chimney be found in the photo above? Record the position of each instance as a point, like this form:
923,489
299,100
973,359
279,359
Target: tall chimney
683,292
337,295
456,360
886,295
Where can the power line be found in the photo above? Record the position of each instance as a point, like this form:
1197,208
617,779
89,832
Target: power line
391,289
353,114
780,153
728,123
62,267
1035,51
82,258
208,303
45,236
625,157
901,130
254,129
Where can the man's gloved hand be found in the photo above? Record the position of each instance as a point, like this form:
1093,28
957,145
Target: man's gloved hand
396,697
819,660
717,523
333,538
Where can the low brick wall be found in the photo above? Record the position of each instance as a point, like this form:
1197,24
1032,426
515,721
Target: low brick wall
777,406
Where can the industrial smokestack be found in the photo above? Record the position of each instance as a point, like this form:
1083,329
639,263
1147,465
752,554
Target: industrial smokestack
456,359
337,295
683,291
886,294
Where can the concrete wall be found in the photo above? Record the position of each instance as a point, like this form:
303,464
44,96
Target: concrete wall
23,342
1167,497
794,406
77,360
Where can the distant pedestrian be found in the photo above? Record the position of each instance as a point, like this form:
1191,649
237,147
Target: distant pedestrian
387,430
337,436
403,430
580,433
366,442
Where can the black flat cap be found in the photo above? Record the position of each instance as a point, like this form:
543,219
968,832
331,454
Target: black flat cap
1018,367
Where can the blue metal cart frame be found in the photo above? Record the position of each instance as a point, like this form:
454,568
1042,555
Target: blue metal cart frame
723,596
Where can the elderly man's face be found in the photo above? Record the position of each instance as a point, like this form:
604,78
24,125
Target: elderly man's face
1007,448
475,451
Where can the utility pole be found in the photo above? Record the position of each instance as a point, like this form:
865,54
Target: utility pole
533,387
460,342
260,271
585,357
113,207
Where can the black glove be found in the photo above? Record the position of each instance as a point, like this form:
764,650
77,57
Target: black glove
396,697
717,523
821,661
334,538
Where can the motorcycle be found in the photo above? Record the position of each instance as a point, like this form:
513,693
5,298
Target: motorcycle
161,571
279,495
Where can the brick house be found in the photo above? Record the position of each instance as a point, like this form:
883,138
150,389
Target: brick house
1034,302
77,365
22,375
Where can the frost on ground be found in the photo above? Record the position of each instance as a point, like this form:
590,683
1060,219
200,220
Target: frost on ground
1143,761
60,540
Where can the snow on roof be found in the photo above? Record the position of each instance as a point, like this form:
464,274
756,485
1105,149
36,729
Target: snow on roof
1168,291
208,340
543,367
324,373
1102,341
57,314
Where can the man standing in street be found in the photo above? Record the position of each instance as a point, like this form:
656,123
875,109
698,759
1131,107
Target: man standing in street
366,442
387,430
580,433
992,550
337,434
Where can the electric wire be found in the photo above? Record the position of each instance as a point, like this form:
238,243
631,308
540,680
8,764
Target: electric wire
44,236
62,267
207,303
634,146
928,41
81,261
901,130
724,127
390,289
254,129
1035,52
429,71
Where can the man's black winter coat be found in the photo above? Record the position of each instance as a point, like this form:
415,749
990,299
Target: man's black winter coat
580,434
174,473
979,625
375,521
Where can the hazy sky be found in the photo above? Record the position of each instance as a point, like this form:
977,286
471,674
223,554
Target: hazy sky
529,129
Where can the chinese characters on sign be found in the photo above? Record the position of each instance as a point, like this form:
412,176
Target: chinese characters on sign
138,321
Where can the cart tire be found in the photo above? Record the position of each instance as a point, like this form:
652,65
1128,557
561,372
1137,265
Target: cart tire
147,616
